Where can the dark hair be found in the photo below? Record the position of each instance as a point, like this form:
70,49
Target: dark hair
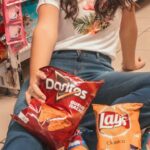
102,7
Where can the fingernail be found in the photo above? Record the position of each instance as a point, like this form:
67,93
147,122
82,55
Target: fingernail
44,76
44,97
40,100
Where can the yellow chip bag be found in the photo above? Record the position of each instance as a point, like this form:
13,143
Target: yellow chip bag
118,126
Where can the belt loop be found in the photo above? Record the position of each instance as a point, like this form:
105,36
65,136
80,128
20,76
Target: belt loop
97,54
78,52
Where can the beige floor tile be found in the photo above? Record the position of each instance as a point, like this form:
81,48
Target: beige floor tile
143,18
145,55
6,108
143,42
143,25
144,11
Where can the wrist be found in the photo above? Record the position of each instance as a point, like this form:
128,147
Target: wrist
128,66
32,80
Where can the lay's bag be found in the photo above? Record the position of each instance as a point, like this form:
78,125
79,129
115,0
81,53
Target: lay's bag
118,126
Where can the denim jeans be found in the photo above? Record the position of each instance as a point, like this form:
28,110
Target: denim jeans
119,87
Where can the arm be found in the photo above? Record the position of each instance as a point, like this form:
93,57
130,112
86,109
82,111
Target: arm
128,38
43,42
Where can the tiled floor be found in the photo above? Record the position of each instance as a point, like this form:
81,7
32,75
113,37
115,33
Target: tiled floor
6,108
143,49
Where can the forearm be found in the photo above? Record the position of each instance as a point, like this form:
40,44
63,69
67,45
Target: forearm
128,37
42,46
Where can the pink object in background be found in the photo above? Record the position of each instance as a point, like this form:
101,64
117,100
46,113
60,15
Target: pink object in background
89,5
15,31
13,22
13,12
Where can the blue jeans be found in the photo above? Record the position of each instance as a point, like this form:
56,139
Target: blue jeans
119,87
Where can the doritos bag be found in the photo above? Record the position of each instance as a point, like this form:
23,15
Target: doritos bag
67,99
118,127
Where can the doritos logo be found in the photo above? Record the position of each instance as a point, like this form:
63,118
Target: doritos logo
113,120
65,87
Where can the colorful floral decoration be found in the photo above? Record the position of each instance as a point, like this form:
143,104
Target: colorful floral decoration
91,24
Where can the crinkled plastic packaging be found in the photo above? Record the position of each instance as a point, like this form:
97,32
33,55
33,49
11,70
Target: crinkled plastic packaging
67,99
118,126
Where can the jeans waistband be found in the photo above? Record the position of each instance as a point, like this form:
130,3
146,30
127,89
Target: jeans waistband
80,52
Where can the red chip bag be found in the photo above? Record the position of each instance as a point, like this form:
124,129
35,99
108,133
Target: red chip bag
67,99
118,127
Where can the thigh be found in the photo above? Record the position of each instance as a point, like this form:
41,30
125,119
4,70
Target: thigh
120,84
19,139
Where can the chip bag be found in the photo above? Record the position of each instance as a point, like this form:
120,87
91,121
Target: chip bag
118,127
67,99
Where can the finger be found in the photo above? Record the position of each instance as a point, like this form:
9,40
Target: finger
34,95
38,92
142,64
28,97
41,75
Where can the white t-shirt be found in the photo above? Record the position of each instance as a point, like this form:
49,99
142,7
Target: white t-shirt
85,33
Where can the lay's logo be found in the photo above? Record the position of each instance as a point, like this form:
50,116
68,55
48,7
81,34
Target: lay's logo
109,120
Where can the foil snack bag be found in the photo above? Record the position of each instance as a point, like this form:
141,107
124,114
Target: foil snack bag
118,126
67,99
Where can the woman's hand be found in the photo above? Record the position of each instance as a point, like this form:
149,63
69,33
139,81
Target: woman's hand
34,90
139,63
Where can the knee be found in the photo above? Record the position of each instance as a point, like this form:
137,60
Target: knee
18,138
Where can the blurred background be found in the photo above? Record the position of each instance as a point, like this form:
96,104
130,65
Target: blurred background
14,64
